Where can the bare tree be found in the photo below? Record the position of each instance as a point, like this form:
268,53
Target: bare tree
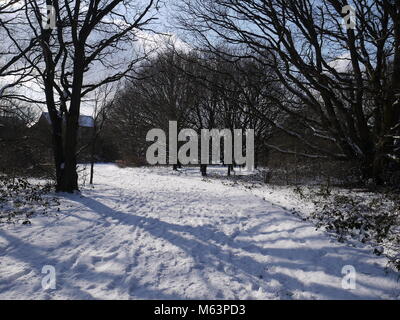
341,82
161,92
199,91
14,71
233,95
87,36
104,100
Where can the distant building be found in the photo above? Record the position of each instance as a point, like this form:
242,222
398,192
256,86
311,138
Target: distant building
86,125
84,121
43,132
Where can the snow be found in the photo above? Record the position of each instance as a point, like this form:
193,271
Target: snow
150,233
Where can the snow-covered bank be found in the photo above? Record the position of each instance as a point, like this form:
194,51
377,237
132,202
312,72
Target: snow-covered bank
148,233
357,216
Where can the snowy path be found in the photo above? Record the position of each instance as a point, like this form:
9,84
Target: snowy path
147,234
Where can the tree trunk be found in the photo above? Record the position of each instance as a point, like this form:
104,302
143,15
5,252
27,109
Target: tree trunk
91,172
70,175
69,181
203,170
58,151
57,131
372,168
176,166
92,152
230,169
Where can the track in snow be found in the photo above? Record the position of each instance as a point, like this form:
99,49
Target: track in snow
150,234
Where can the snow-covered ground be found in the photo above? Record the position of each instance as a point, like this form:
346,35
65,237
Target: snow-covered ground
149,233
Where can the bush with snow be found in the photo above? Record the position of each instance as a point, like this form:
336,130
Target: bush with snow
20,199
372,218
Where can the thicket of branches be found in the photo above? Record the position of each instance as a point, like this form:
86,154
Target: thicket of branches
71,59
290,70
341,84
199,91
